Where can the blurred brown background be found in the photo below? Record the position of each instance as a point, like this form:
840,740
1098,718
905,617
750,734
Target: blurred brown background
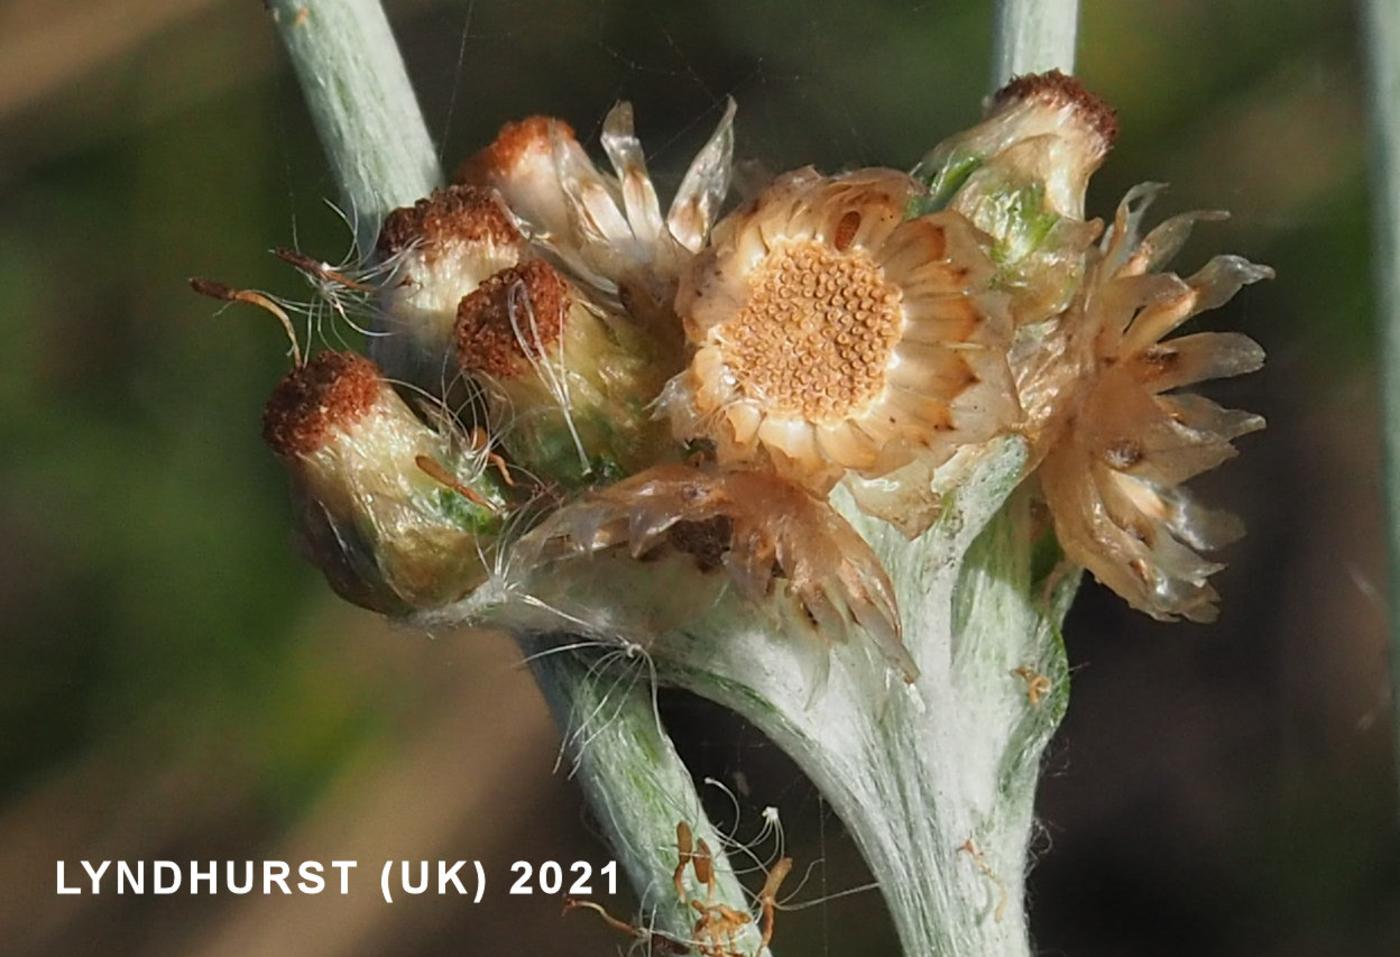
176,683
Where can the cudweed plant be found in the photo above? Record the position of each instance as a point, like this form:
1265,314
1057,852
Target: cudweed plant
831,455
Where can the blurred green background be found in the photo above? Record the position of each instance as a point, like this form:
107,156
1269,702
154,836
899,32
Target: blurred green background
176,683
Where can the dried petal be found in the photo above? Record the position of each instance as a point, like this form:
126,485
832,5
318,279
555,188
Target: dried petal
775,540
705,186
1118,443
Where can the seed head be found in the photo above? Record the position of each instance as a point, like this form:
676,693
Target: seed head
568,380
1020,176
608,231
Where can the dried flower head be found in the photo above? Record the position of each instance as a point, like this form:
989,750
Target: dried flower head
1043,127
1020,176
1119,441
780,545
608,230
832,334
388,532
567,381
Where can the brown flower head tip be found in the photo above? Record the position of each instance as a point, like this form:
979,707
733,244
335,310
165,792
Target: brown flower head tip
518,313
332,391
517,141
1056,90
456,213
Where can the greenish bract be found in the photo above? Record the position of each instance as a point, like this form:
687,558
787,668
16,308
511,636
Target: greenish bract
1019,220
469,515
944,183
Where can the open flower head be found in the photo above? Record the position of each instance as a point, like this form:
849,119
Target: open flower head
568,381
439,250
1020,176
782,547
607,230
396,515
1119,440
832,334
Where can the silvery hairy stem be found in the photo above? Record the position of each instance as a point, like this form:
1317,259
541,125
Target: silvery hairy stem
1034,36
371,127
1383,33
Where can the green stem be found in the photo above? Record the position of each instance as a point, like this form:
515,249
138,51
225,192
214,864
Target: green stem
371,127
1383,31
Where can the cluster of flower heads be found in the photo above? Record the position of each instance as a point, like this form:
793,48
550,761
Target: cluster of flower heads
608,377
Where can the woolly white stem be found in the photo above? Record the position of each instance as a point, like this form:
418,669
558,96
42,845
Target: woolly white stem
371,127
1034,36
633,779
1383,33
363,105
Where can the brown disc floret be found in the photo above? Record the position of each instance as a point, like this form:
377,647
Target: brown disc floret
814,336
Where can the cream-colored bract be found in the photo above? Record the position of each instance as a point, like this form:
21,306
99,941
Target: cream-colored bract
1119,449
830,333
608,230
773,538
